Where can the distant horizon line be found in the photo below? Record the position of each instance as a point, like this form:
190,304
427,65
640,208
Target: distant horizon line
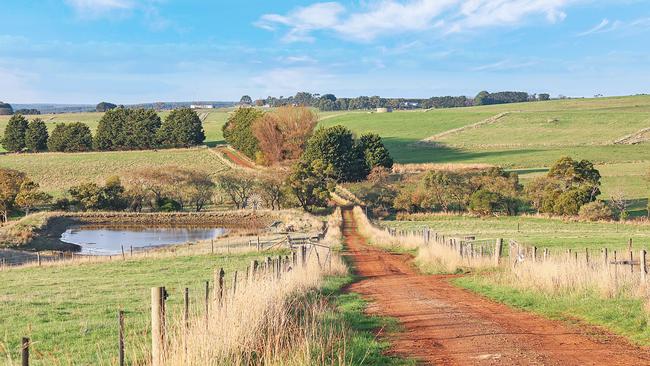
233,101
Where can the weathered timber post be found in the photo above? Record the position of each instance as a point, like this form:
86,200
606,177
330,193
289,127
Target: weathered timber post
643,262
269,269
207,303
258,244
157,325
123,256
303,255
279,266
186,308
605,256
234,283
218,282
587,255
212,246
120,325
253,270
497,251
25,351
38,257
131,250
631,261
534,253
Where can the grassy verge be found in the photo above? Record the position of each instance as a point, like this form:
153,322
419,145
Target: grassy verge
623,316
70,312
362,346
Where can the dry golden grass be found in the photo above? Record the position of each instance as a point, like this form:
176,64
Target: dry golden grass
553,275
450,167
268,320
432,256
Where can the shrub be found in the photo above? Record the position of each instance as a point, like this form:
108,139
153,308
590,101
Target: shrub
182,128
238,131
311,183
14,138
596,211
484,202
36,136
71,137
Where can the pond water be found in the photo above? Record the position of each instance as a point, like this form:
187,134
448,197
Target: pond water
109,240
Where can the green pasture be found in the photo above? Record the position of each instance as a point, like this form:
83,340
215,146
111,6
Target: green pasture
536,231
70,312
56,172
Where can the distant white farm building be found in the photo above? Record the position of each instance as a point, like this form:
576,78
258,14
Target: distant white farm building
202,106
384,110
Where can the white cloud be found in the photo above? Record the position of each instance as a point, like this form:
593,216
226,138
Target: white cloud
605,26
386,17
97,7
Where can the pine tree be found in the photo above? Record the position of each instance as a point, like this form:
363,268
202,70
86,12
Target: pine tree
14,138
36,136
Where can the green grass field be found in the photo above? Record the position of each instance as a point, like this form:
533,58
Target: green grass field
70,312
536,231
529,139
56,172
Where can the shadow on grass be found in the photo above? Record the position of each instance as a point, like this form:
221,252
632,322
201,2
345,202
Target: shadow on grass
407,151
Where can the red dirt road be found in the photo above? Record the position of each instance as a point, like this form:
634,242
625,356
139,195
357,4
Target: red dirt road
445,325
236,158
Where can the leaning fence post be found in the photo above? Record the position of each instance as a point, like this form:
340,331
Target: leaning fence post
157,325
120,324
25,351
218,282
497,251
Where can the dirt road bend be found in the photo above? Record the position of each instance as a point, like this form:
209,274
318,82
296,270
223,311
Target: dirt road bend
445,325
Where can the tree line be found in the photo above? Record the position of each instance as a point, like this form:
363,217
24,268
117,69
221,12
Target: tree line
329,102
570,188
118,129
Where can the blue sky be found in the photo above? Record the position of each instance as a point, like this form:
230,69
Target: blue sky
129,51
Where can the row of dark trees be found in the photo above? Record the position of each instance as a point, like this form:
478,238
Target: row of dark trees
118,129
329,102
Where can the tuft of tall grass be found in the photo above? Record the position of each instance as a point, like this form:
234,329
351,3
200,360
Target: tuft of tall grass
432,256
269,319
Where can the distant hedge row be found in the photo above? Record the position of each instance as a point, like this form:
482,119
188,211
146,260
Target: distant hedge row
119,129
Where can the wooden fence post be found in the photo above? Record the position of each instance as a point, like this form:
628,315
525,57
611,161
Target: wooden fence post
25,351
587,255
631,260
212,246
234,283
643,262
534,253
186,307
605,255
123,256
157,325
131,250
38,256
218,282
207,303
303,255
497,251
120,324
